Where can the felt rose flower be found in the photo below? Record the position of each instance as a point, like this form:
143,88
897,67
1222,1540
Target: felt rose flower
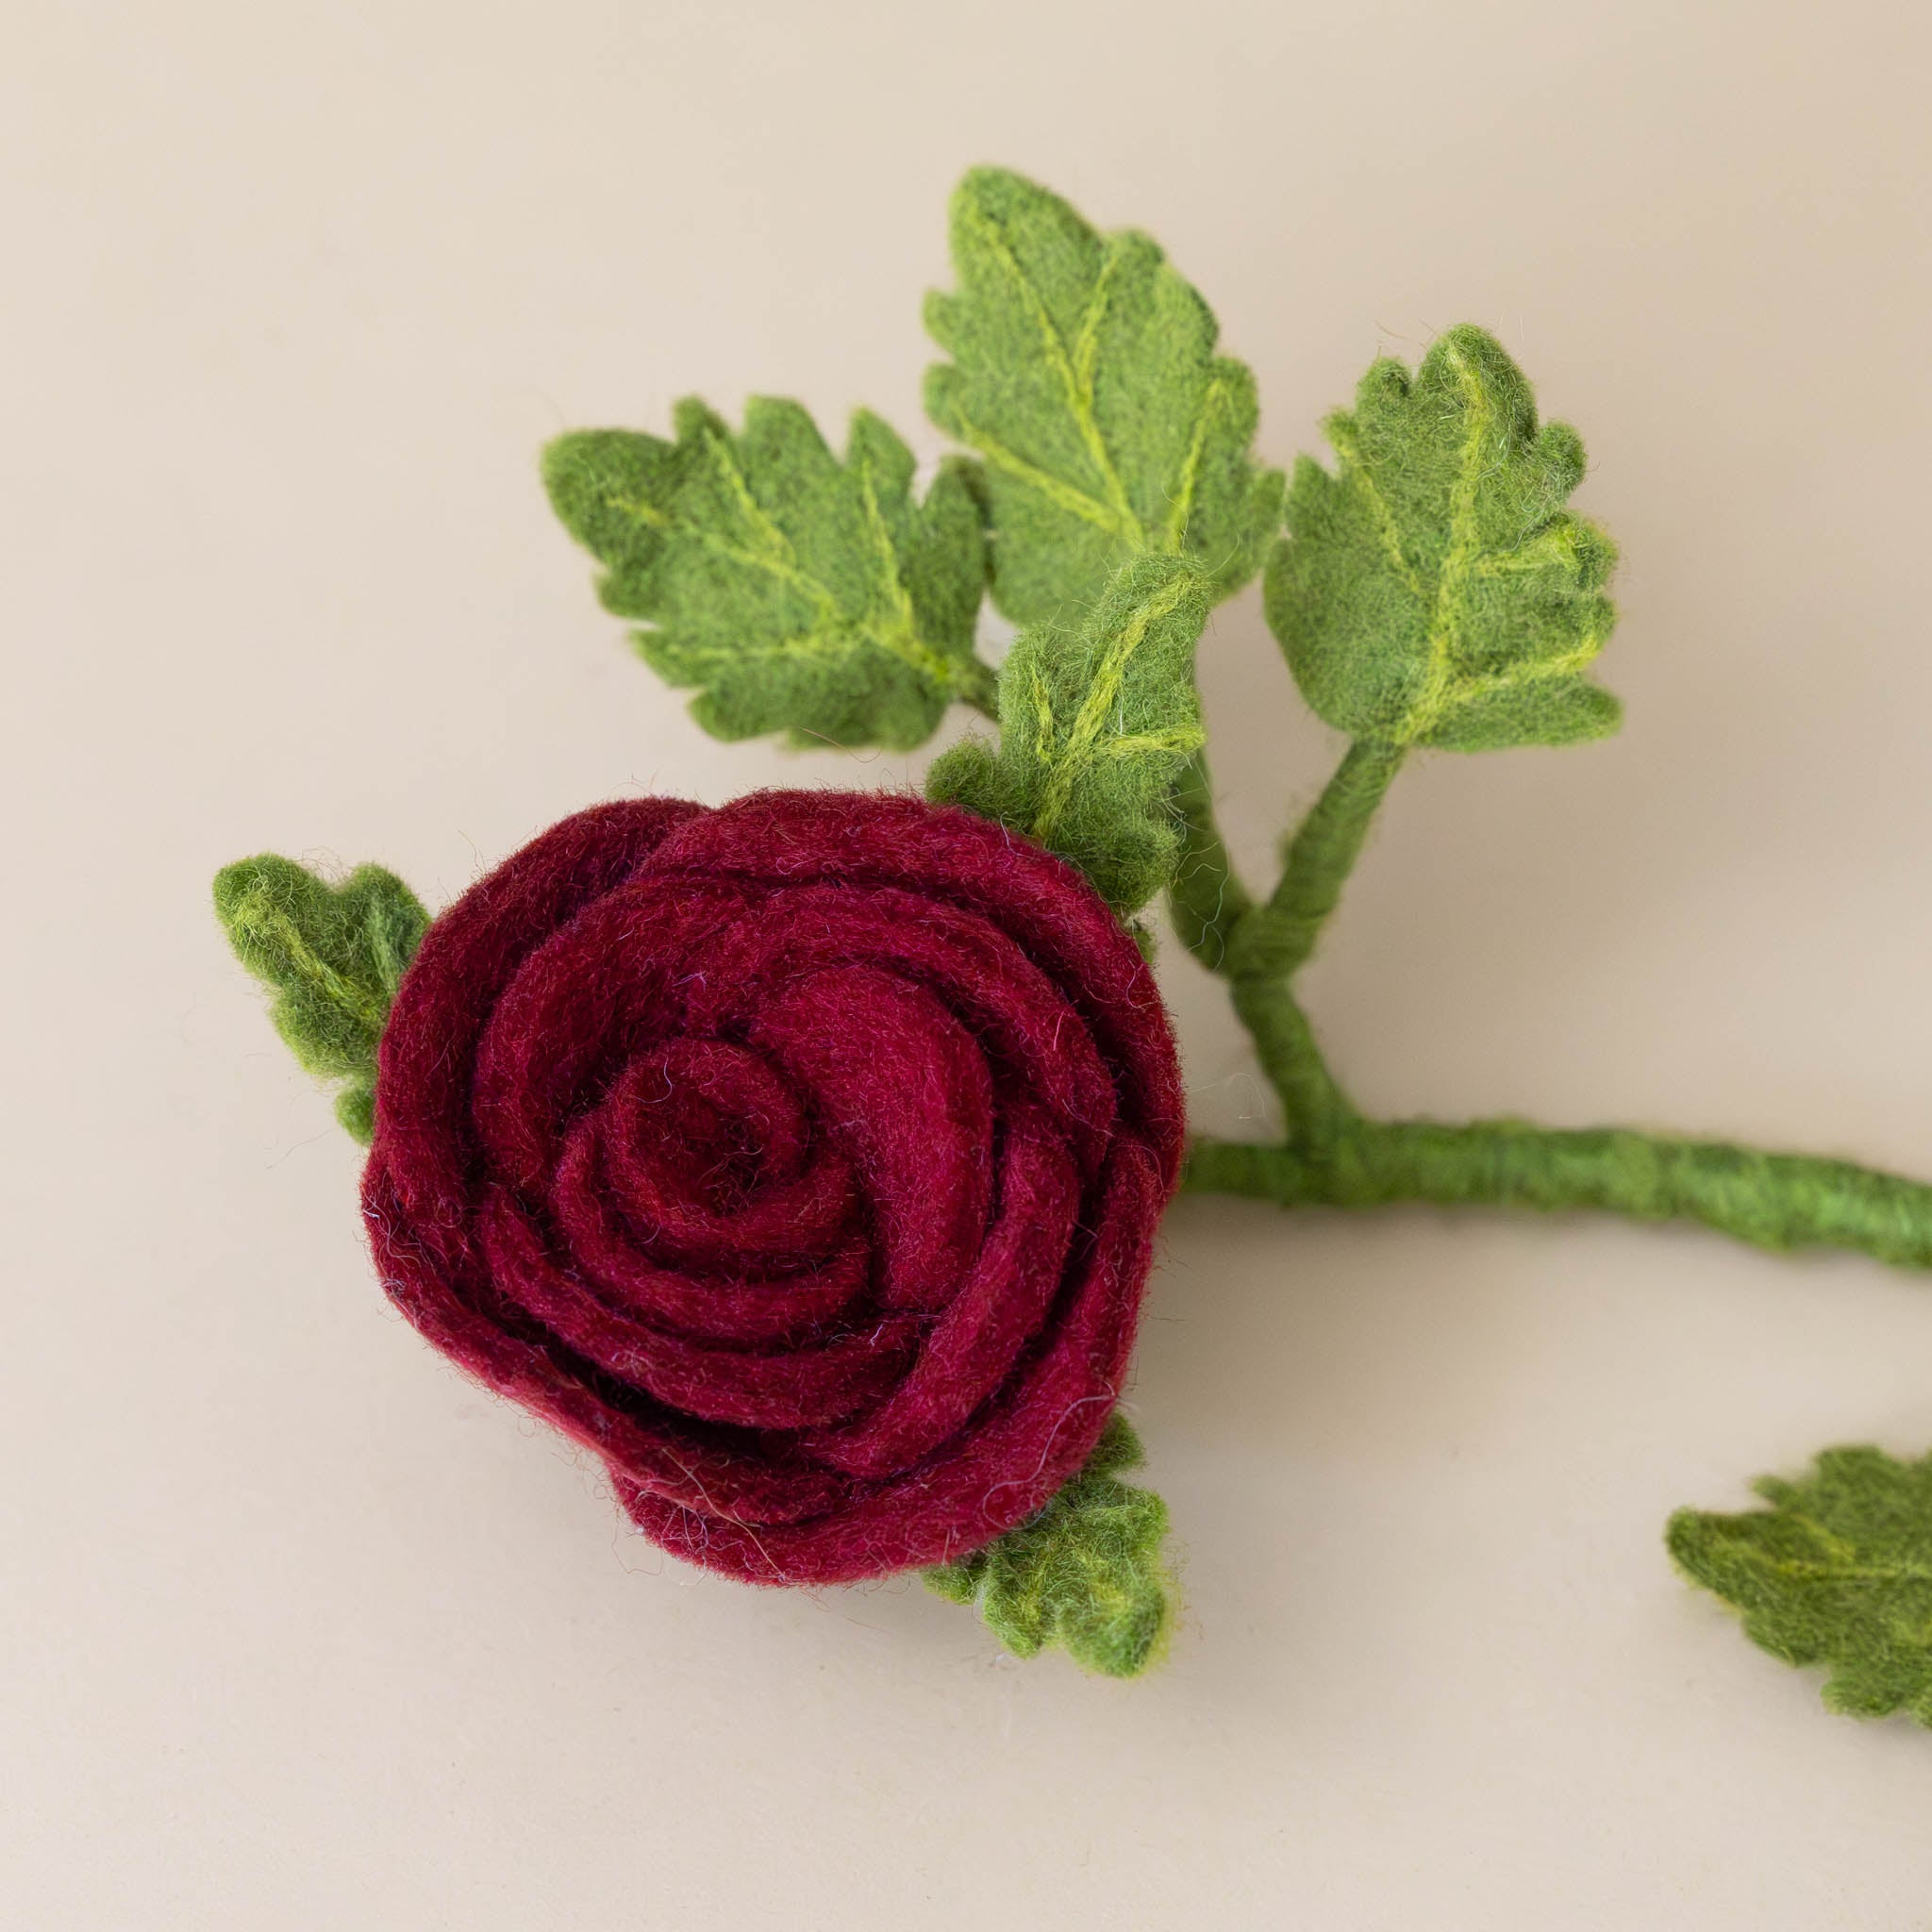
800,1157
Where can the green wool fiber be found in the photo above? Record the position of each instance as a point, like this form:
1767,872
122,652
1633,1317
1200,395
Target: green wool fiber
1096,725
1778,1201
332,955
1434,591
1206,900
1083,371
1086,1572
795,591
1837,1571
1276,939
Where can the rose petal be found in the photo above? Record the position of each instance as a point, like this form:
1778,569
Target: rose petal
902,1091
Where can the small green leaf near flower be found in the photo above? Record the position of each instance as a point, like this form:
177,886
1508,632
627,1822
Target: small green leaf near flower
1086,1572
333,956
1095,728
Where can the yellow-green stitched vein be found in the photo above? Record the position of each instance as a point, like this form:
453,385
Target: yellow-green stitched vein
1550,549
1043,712
776,544
897,633
1445,619
777,566
1183,506
902,633
1342,436
265,918
1537,671
887,555
1079,397
1799,1572
1183,738
1090,721
1086,344
1066,495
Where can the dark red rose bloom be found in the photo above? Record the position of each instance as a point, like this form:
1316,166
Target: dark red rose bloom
801,1159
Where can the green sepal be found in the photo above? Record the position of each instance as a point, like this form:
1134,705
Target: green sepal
1837,1571
333,956
1086,1572
1084,373
1094,726
1433,590
792,590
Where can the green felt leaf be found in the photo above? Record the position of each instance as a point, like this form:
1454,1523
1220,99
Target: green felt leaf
795,591
1084,373
1086,1573
1095,725
333,956
1837,1571
1432,590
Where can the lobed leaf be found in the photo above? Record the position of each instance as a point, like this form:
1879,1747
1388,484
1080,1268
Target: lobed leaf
333,956
1096,725
791,591
1083,372
1837,1571
1434,591
1086,1572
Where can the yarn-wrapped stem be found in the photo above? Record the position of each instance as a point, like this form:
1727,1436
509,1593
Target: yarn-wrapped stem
1274,941
1778,1200
1331,1156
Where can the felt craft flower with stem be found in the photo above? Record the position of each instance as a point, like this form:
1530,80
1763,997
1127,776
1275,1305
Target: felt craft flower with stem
802,1158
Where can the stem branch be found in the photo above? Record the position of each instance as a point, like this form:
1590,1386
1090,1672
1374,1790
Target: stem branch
1206,900
1276,939
1333,1156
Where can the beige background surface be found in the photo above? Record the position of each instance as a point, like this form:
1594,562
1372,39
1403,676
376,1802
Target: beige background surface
300,1631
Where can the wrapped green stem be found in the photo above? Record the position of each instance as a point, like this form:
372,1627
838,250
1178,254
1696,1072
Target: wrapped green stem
1778,1200
1206,900
1274,940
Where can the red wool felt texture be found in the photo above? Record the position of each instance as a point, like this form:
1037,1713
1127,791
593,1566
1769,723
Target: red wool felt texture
800,1157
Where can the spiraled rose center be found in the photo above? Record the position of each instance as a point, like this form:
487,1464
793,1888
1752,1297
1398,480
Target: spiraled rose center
706,1123
702,1138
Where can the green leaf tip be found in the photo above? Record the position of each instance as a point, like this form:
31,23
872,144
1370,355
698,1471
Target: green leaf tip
794,591
1083,372
1432,590
1086,1572
1837,1571
332,955
1096,725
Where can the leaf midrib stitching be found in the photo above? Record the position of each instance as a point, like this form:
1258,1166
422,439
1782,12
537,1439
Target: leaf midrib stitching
832,629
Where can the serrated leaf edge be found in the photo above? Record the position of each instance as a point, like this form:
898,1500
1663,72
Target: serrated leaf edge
1075,371
1441,695
834,632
